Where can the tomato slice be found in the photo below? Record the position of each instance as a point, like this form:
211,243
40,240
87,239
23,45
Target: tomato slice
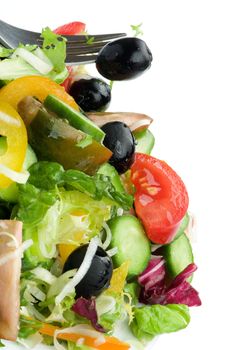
71,28
161,198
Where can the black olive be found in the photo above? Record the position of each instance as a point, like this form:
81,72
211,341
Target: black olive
91,95
124,59
120,140
5,211
98,277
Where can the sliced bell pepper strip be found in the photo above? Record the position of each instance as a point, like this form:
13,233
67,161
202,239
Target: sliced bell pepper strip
13,128
111,343
36,86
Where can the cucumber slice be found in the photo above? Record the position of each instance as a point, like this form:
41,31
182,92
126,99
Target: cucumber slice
129,237
75,118
145,141
183,226
109,170
178,255
30,158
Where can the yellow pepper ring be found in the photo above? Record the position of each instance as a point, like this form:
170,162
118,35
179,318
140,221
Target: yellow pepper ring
35,86
13,128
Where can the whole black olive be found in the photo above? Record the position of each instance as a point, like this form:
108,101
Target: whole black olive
98,277
123,59
120,140
91,94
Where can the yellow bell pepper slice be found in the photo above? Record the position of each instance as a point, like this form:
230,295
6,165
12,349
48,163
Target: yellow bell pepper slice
118,279
36,86
13,128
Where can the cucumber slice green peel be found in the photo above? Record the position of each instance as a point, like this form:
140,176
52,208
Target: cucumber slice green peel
74,117
145,141
133,245
178,255
183,226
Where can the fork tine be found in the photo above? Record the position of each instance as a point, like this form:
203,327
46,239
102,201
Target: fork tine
97,38
80,59
82,39
81,49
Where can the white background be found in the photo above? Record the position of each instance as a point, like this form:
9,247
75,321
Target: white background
188,93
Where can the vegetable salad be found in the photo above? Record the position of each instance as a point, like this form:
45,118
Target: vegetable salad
94,231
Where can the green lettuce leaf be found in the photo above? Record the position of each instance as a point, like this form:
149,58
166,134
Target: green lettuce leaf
34,201
54,46
68,217
48,175
150,321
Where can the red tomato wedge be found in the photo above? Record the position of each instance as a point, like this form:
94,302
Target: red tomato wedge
71,28
161,198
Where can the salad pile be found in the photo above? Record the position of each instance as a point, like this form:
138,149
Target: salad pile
94,231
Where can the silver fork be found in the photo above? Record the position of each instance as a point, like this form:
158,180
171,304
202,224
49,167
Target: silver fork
79,50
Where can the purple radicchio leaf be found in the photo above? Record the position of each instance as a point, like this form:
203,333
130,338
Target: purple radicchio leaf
156,291
181,292
87,308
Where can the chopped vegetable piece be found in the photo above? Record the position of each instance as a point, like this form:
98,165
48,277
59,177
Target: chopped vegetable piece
161,198
87,308
111,343
145,141
178,255
130,239
150,321
108,170
118,279
71,28
13,128
36,86
74,117
55,140
156,290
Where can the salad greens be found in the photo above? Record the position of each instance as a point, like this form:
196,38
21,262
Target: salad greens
150,321
32,60
48,175
66,212
53,196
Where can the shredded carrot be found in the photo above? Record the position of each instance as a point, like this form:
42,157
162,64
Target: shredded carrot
111,343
